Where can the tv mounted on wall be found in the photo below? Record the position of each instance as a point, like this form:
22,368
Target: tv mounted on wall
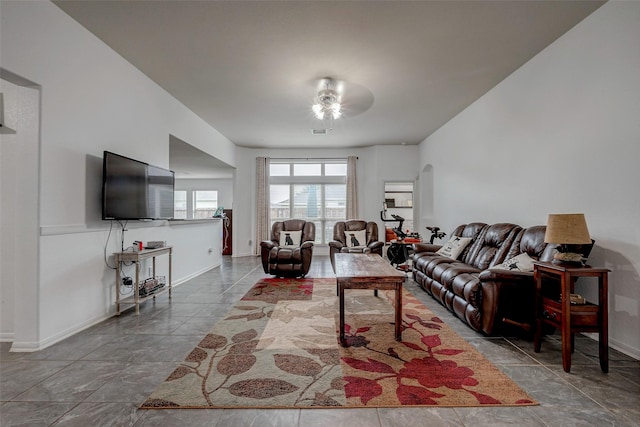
132,189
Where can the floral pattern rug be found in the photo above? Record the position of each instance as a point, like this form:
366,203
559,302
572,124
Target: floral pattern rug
278,348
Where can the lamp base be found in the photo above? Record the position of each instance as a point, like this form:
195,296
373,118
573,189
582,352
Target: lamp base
574,264
568,259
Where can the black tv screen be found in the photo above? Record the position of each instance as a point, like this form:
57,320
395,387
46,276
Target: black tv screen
132,189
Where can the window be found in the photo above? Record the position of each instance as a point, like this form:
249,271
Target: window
205,204
180,204
195,204
313,190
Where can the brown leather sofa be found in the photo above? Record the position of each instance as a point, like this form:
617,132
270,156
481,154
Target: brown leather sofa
490,301
341,230
293,260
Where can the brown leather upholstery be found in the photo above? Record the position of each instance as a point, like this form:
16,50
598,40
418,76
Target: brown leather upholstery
487,300
288,261
339,243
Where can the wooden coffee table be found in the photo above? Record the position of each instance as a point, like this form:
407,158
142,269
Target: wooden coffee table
368,271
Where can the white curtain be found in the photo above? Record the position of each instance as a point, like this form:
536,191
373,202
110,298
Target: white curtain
352,188
263,230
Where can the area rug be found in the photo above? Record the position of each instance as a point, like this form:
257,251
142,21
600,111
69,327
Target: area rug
278,348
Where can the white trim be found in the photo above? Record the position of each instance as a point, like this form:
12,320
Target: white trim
192,275
6,337
24,347
617,345
56,230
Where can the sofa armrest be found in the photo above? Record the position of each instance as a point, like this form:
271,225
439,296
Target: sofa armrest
307,244
508,298
425,247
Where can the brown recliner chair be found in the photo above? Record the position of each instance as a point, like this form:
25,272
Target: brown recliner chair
288,253
343,240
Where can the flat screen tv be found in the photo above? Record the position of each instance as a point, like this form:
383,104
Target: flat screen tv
132,189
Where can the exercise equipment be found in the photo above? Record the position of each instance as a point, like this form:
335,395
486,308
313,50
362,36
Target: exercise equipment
398,251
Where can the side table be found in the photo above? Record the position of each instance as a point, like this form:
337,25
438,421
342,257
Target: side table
571,318
137,257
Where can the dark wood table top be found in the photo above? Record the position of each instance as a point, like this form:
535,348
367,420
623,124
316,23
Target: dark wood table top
369,266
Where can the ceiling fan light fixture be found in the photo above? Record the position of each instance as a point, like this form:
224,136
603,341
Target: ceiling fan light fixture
317,110
327,103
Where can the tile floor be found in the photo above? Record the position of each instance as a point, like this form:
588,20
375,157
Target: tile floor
98,377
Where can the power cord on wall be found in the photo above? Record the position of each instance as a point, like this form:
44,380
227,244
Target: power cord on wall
123,226
125,287
106,245
106,260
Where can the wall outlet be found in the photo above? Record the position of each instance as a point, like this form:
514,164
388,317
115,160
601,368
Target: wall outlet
249,242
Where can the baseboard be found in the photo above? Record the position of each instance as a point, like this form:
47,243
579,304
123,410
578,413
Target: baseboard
25,347
192,275
617,345
244,254
28,346
6,337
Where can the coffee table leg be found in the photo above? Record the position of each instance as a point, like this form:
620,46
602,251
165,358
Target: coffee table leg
341,297
399,312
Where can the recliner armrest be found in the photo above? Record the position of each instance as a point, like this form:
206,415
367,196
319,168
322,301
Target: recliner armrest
507,299
375,245
335,244
425,247
307,244
268,244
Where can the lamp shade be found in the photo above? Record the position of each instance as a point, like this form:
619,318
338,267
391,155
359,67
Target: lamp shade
568,229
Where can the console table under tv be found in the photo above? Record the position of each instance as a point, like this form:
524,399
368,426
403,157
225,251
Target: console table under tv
136,257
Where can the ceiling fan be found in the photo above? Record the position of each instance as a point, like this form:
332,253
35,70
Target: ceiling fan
337,99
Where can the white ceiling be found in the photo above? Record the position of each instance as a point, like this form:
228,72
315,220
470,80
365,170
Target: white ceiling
251,68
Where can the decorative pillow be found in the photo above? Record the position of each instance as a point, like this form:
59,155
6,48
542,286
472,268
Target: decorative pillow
454,247
290,239
356,238
522,262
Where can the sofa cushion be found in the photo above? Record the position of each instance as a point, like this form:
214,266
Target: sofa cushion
454,247
522,262
446,273
290,239
492,245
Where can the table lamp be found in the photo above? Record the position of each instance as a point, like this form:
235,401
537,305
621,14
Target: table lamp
566,230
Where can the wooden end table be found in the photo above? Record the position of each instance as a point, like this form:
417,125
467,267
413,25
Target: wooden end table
368,271
571,318
136,258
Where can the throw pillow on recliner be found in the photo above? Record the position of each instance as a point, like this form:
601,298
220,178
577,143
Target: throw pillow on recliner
522,262
454,247
356,238
290,239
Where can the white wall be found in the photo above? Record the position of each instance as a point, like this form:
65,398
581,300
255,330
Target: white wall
19,240
375,165
92,100
560,135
